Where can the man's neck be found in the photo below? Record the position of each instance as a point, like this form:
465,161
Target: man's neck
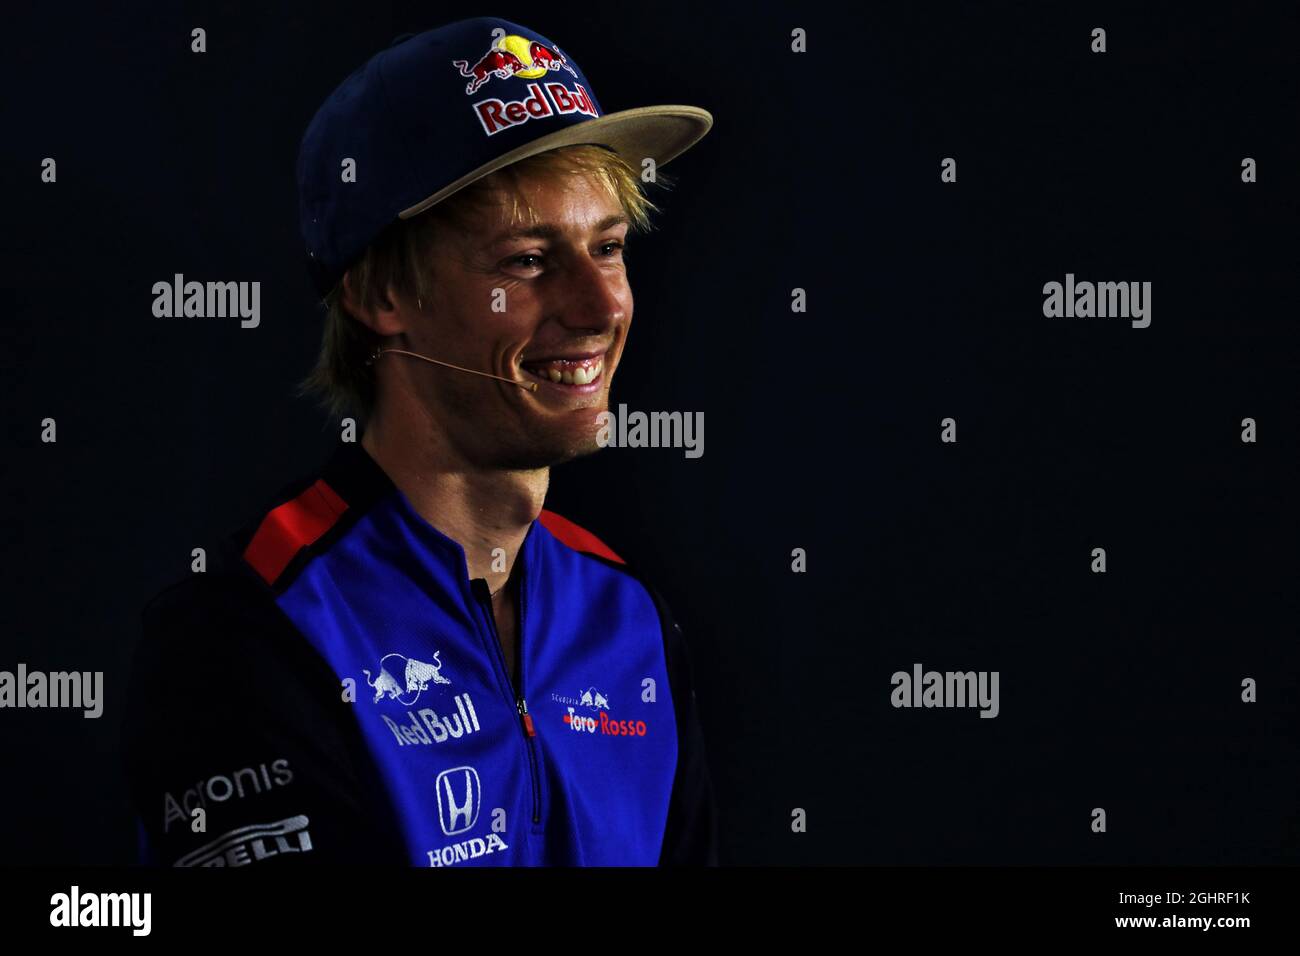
481,509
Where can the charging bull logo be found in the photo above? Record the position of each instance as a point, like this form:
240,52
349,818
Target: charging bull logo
512,56
416,677
594,699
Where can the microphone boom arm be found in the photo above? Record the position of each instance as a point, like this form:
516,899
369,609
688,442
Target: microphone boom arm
531,386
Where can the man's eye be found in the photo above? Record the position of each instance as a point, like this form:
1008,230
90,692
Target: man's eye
530,260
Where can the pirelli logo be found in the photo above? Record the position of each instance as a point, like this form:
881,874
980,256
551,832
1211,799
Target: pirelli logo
252,843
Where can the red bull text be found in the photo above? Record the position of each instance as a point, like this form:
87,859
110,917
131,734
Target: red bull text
497,114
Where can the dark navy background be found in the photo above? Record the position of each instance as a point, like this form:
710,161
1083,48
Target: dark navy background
1119,691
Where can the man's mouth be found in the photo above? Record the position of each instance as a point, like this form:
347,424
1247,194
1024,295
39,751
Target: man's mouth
576,373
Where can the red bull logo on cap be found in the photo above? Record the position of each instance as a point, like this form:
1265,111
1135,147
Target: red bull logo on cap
512,56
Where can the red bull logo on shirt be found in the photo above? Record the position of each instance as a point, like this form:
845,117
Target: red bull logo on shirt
516,56
416,677
429,728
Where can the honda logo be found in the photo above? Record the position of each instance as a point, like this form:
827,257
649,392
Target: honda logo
459,796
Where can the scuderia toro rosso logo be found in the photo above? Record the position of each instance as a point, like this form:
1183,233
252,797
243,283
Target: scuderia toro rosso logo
588,713
516,56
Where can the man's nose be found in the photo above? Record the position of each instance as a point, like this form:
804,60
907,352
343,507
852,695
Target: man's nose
594,297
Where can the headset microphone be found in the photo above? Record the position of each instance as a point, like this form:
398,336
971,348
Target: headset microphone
531,386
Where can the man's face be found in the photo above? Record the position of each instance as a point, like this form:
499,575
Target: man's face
565,307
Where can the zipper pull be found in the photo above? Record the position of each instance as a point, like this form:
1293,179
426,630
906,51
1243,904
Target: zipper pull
522,707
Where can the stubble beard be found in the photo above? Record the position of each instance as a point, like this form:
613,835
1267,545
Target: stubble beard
561,443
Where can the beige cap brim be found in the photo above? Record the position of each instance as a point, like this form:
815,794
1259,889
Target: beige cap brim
660,132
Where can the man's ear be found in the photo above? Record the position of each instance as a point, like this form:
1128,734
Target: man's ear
385,316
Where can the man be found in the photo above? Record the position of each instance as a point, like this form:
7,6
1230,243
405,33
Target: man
407,658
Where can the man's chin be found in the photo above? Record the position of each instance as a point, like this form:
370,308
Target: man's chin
552,453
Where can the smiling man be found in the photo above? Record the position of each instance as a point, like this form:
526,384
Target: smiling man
480,473
405,657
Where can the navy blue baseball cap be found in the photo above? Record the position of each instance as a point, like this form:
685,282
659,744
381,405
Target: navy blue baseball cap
439,110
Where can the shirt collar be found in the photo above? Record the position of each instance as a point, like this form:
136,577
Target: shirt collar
362,483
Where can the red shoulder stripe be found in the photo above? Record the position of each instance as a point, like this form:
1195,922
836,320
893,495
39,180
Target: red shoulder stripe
579,539
291,527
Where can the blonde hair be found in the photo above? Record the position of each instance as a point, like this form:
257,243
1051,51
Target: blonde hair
342,381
